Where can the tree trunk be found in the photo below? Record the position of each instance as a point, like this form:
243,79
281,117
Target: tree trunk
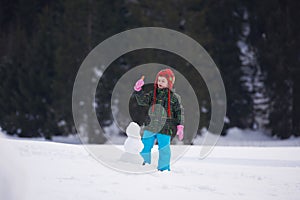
296,102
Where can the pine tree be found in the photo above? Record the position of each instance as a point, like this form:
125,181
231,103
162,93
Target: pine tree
224,20
85,25
275,35
24,69
253,79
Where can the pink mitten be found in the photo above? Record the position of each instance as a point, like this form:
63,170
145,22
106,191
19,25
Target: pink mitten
180,132
139,84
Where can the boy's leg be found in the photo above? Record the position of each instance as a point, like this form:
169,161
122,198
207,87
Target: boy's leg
164,151
148,141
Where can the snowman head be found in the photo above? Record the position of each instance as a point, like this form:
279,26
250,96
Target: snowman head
133,130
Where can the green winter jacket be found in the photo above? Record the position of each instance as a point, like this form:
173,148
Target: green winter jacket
159,121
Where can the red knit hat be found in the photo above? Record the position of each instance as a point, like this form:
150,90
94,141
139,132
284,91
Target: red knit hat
169,75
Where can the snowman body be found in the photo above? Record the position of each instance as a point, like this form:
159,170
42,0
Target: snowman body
133,145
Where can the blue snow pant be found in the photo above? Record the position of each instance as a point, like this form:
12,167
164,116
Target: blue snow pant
163,149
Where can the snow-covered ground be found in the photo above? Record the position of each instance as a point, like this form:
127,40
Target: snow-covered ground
239,137
41,170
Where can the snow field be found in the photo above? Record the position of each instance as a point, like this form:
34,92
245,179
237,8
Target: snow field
36,170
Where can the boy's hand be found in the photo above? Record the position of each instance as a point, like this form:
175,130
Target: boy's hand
180,132
139,84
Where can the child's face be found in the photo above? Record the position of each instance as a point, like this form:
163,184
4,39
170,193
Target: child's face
162,82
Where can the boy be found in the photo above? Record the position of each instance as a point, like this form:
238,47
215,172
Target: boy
166,117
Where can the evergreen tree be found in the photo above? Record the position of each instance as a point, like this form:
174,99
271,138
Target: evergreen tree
224,19
276,36
27,58
85,24
253,78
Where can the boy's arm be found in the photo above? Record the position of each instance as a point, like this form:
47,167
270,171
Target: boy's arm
179,117
143,98
178,110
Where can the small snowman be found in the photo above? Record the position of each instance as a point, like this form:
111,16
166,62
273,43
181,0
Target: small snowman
133,144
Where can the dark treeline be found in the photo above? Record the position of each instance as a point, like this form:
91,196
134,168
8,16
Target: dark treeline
254,43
